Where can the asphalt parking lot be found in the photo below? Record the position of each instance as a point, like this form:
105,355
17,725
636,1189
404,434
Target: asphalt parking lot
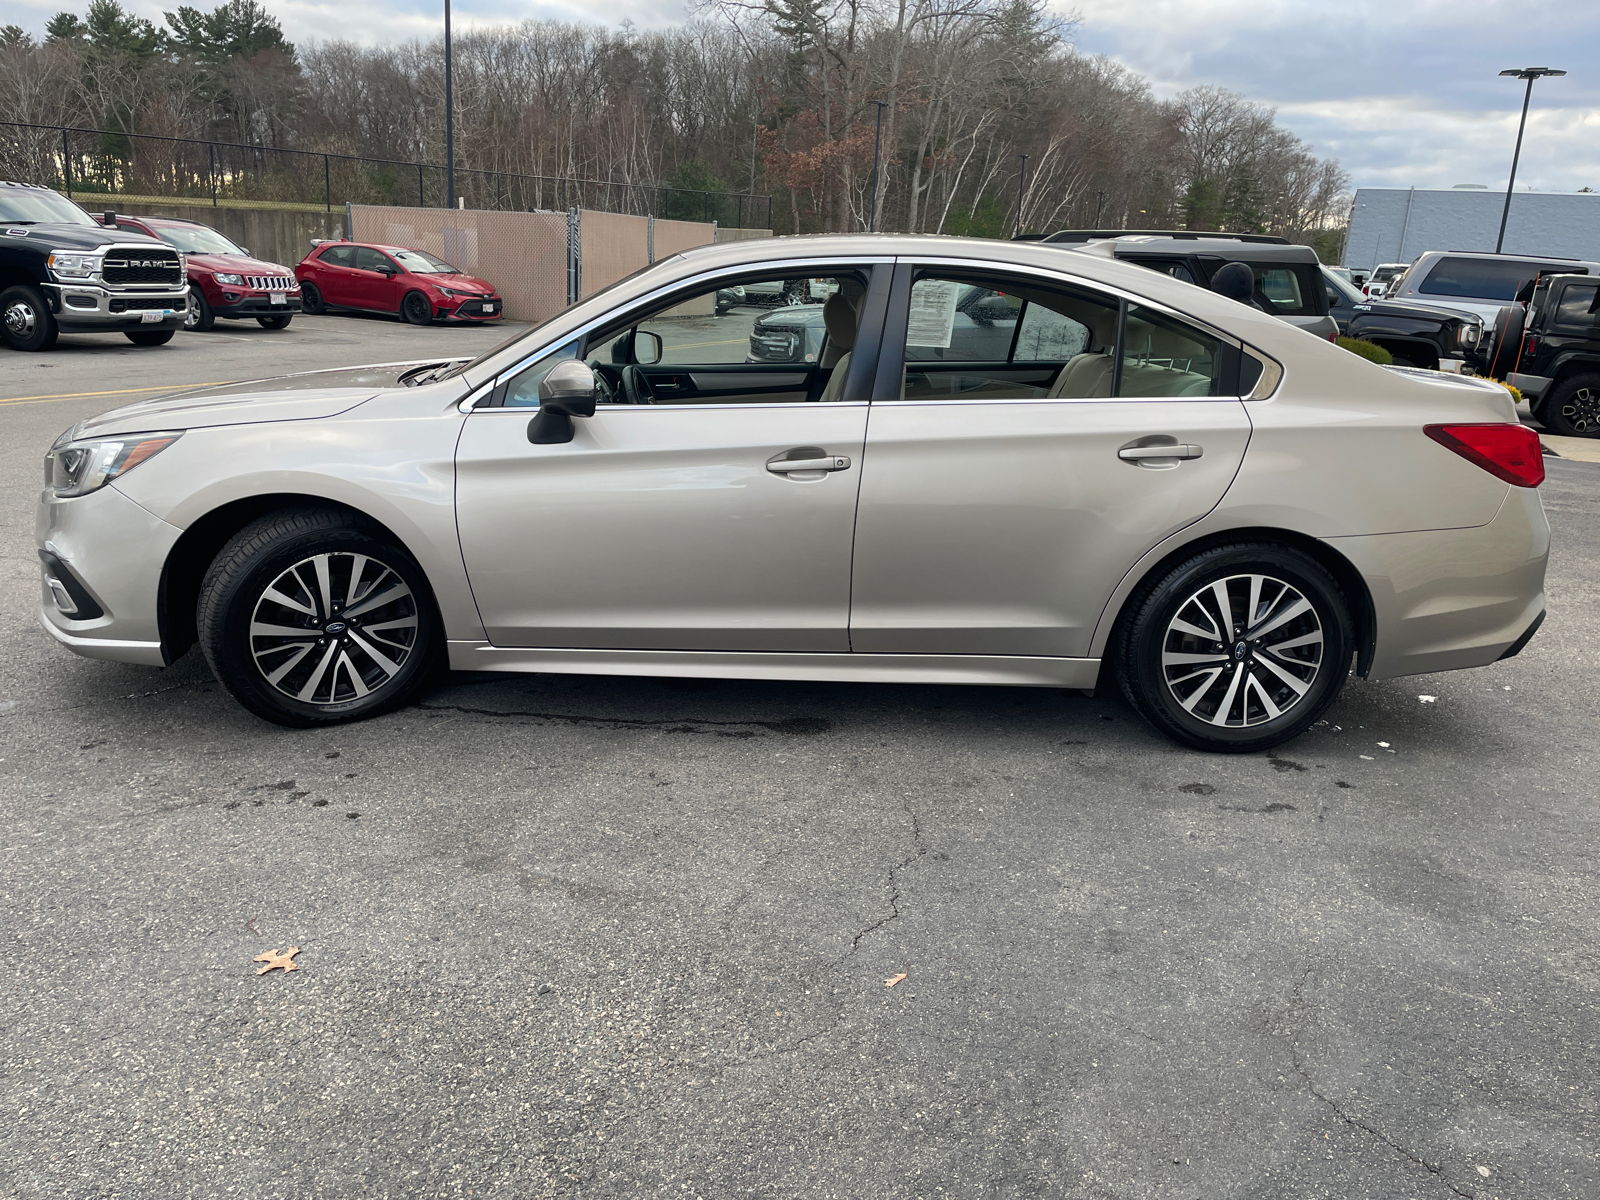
596,937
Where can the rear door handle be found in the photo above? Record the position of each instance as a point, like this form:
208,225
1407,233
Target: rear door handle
1140,453
783,466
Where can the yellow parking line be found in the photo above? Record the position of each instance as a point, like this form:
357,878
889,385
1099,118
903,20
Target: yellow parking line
181,387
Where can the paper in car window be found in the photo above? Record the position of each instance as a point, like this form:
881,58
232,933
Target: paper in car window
933,313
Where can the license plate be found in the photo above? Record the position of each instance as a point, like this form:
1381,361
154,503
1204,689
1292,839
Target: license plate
276,298
488,308
151,316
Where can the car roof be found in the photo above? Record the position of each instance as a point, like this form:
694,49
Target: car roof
1230,251
1186,235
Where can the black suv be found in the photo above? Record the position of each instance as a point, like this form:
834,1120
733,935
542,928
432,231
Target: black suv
1558,368
1288,279
61,271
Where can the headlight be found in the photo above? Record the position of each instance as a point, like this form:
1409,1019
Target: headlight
65,264
78,468
457,292
228,277
1468,335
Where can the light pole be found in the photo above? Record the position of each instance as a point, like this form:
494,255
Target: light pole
1099,204
449,119
1022,179
877,144
1530,74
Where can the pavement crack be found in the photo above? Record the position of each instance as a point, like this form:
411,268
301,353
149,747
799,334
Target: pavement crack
1434,1169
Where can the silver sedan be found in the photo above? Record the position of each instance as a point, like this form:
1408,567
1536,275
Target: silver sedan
1006,463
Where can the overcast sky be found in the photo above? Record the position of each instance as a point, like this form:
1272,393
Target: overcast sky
1403,92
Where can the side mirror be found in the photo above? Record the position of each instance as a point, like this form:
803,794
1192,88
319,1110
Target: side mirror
646,348
567,391
245,249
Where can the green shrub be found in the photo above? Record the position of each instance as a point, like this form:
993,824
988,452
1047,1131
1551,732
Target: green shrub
1367,351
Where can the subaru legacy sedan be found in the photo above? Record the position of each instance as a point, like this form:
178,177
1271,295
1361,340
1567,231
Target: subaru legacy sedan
1143,482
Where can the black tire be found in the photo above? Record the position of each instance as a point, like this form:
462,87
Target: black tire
1506,340
311,679
281,321
1401,361
25,320
199,318
1184,704
416,309
1572,407
149,337
311,300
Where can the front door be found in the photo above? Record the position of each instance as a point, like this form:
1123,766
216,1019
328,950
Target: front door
372,284
674,519
1010,488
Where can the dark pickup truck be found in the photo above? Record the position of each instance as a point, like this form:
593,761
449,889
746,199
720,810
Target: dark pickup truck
61,271
1558,364
1418,335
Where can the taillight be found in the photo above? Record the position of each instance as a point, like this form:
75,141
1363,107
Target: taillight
1334,337
1530,345
1509,452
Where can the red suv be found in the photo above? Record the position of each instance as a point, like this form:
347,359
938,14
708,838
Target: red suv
224,281
390,279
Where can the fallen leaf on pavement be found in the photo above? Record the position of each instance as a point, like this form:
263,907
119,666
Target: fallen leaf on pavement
894,980
273,959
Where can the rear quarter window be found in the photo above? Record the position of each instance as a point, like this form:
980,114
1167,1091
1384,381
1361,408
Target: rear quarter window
1579,307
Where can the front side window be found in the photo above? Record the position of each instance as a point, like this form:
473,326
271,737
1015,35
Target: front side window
368,259
1579,307
195,239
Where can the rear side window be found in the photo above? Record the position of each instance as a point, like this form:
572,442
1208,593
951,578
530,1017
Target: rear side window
1489,279
1288,289
1165,357
338,256
1578,307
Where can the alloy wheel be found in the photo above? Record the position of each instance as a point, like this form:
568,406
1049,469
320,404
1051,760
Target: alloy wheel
1581,410
1242,651
333,628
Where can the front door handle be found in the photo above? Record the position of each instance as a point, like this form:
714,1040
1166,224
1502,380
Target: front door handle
1135,454
783,466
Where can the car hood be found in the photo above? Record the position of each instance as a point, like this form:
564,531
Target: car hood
1420,312
302,397
1488,309
239,264
461,283
75,237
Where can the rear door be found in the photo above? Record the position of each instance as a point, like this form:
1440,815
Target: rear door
334,275
1002,500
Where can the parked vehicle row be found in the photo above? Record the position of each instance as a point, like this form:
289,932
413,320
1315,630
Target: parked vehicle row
63,270
1073,464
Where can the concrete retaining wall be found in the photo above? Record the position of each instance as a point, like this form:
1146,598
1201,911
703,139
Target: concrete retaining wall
272,235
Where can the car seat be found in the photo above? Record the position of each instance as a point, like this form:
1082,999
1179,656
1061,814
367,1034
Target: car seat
1089,374
839,317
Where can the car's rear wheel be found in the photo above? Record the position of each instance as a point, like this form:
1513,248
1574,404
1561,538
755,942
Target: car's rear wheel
1239,648
1572,409
311,300
416,308
149,337
311,616
281,321
25,320
199,318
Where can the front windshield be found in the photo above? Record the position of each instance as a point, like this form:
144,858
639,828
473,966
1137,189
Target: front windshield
1341,285
419,262
40,206
195,239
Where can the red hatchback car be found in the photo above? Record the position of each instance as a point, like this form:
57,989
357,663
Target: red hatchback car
391,279
224,281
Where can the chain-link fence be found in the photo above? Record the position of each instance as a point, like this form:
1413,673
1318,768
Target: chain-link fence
87,163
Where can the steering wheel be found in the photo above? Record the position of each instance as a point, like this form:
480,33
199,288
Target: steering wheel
636,385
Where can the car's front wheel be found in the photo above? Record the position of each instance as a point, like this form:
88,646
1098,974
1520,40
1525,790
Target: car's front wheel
1237,649
416,308
1572,409
279,321
198,318
25,320
312,616
149,337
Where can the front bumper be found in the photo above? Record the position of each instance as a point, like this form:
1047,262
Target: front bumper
256,305
473,310
92,308
107,550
